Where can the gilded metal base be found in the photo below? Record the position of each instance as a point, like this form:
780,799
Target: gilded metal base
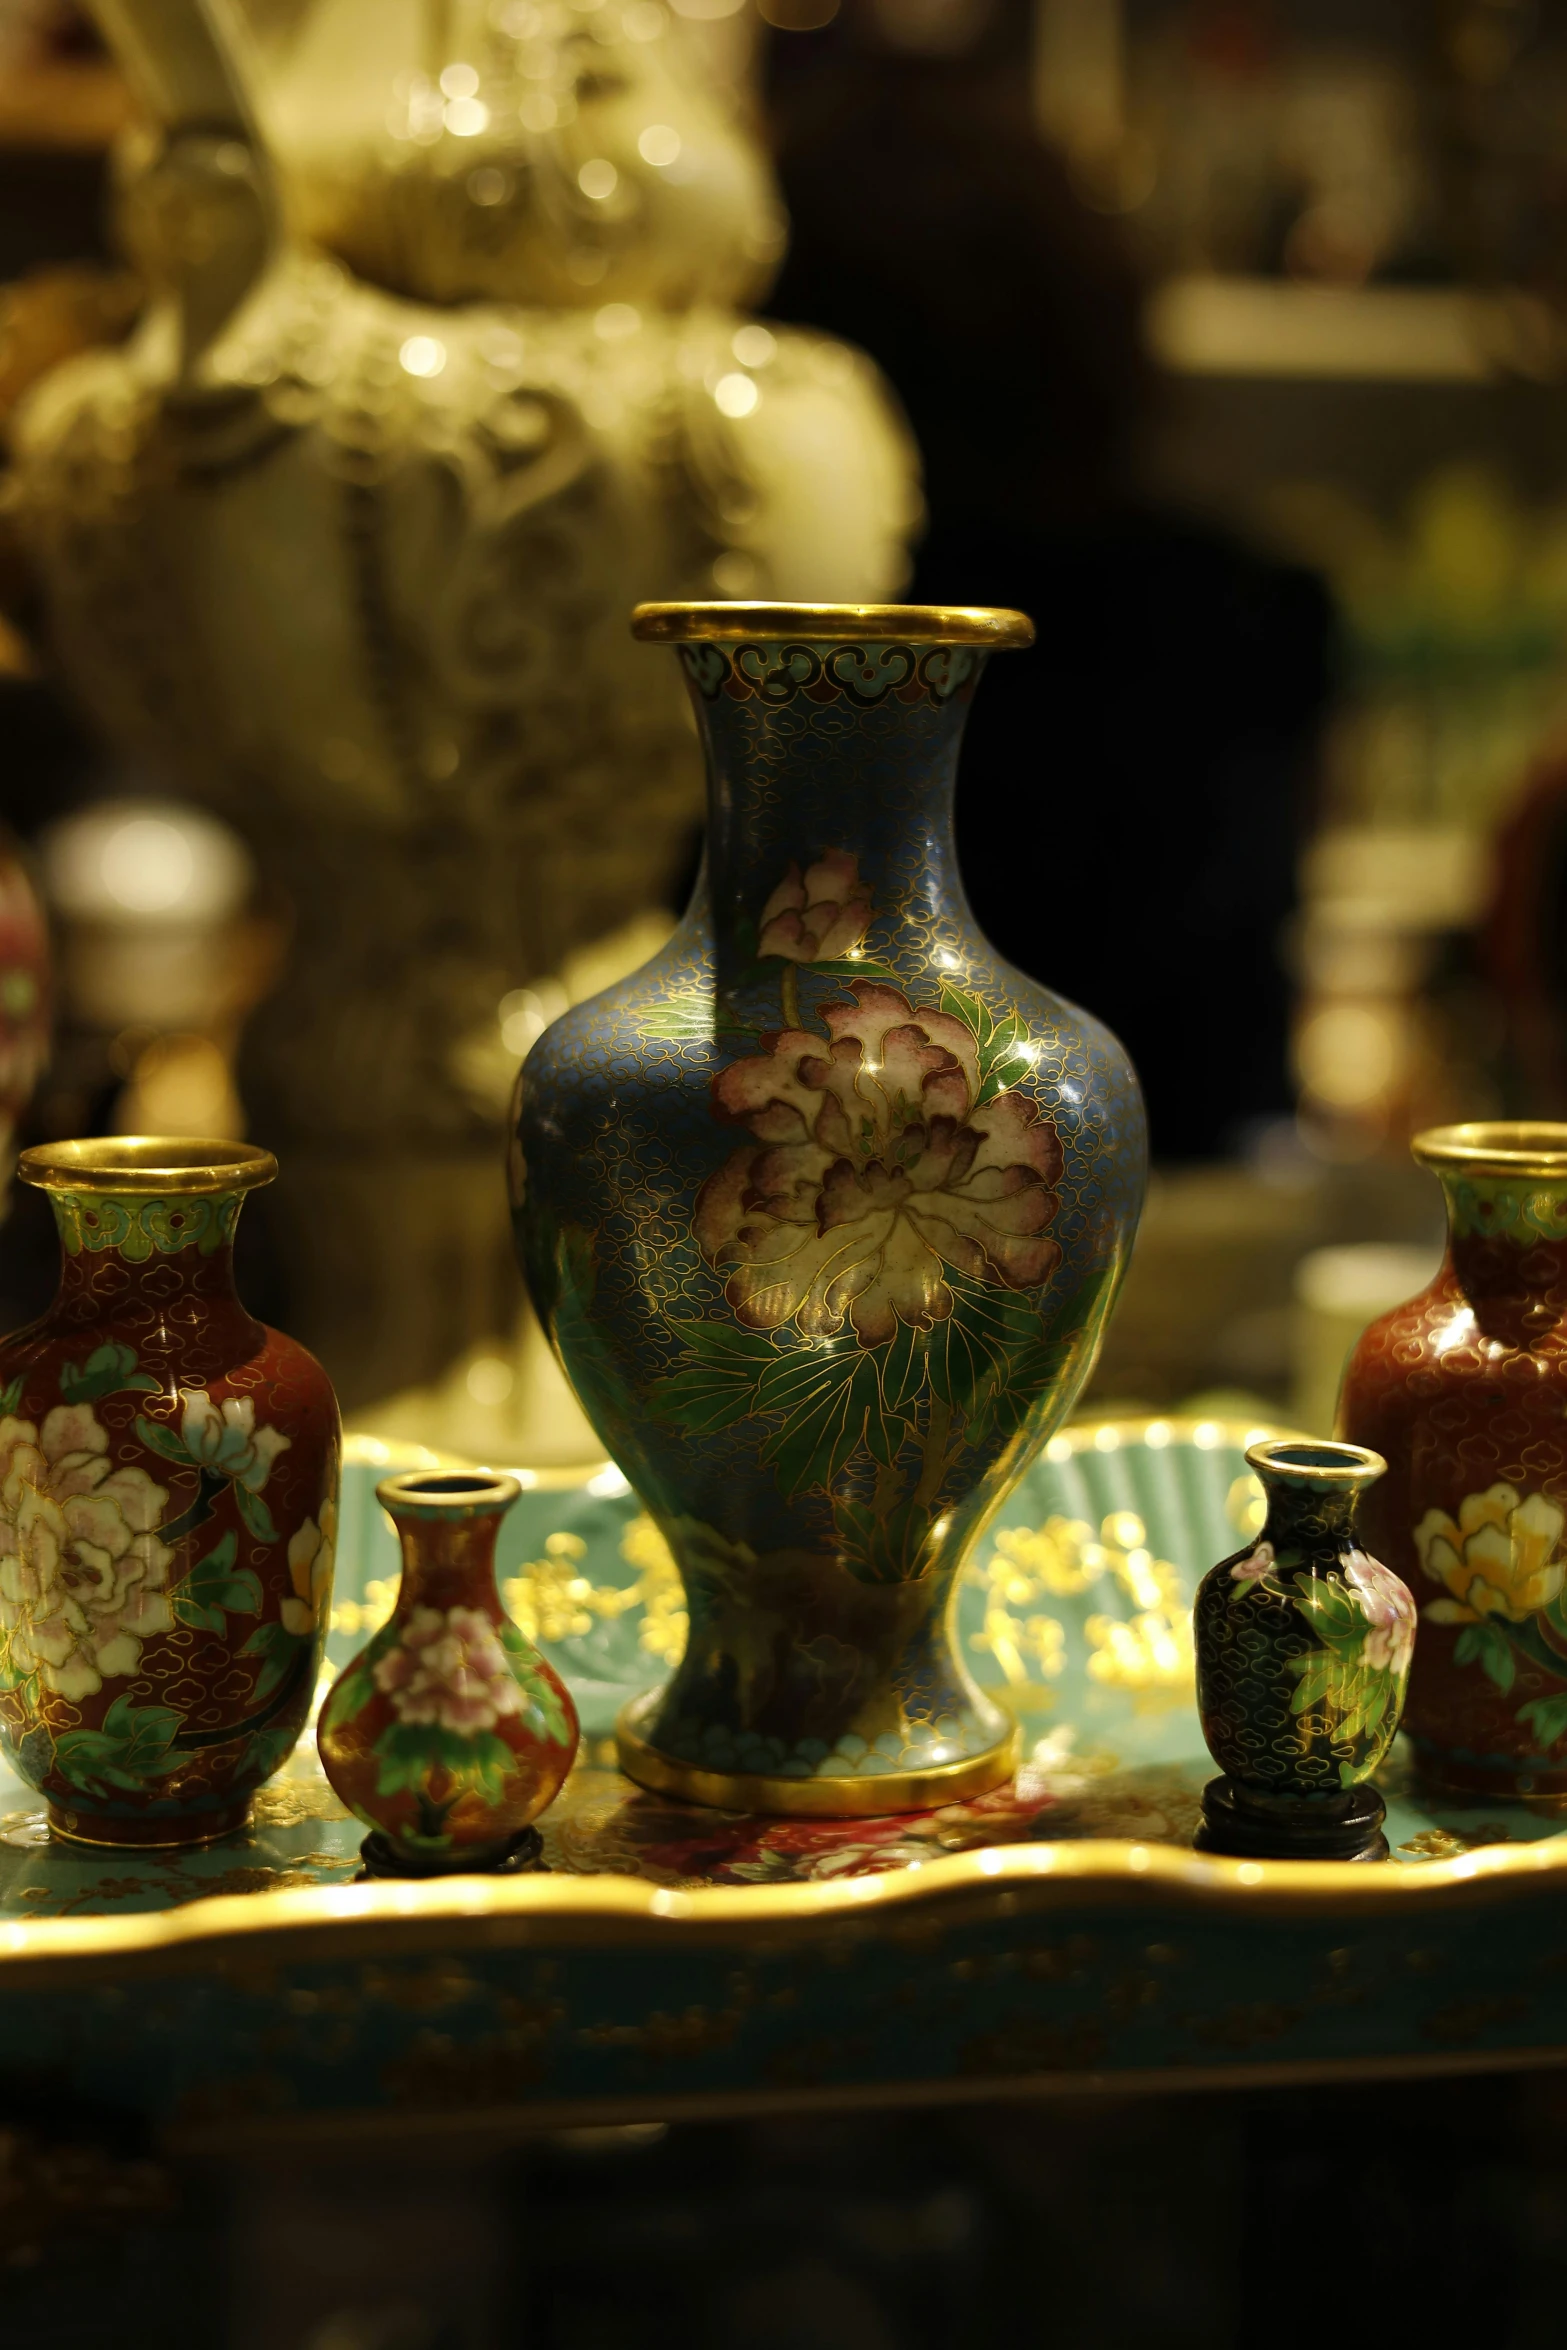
819,1798
230,1820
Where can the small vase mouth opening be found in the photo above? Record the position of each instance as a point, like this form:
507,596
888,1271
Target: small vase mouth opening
448,1493
986,625
1320,1463
1501,1146
158,1165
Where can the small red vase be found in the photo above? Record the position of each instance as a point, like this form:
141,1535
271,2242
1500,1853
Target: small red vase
1464,1393
168,1505
449,1733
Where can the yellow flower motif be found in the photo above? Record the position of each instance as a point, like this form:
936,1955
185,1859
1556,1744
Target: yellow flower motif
311,1550
1501,1558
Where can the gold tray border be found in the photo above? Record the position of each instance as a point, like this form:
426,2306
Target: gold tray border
336,1921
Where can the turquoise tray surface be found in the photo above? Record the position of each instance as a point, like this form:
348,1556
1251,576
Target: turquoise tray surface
1060,1932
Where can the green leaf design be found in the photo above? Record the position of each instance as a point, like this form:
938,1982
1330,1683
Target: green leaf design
409,1752
535,1685
1488,1646
1546,1718
131,1747
166,1442
847,967
11,1397
254,1511
351,1694
696,1018
277,1648
108,1370
214,1585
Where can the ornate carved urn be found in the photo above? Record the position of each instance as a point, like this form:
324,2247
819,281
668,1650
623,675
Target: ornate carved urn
441,371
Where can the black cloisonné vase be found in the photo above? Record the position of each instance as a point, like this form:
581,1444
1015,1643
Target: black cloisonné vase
1303,1648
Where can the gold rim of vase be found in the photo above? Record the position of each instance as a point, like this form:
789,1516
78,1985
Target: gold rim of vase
1501,1146
819,1798
448,1493
157,1164
991,626
1316,1460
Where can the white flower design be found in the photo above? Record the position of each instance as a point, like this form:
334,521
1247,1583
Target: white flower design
449,1669
228,1441
82,1570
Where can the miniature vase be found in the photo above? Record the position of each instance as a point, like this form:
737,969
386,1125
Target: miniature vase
1303,1646
449,1733
824,1210
1464,1389
168,1505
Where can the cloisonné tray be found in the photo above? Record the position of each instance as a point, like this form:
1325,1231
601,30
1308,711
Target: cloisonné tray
1060,1932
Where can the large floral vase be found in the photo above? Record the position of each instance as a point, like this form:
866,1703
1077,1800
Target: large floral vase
824,1210
1464,1390
168,1504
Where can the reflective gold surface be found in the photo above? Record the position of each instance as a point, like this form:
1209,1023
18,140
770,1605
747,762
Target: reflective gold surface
1503,1146
843,624
154,1163
821,1798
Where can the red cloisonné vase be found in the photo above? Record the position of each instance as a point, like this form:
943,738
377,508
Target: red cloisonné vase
449,1733
1464,1392
168,1505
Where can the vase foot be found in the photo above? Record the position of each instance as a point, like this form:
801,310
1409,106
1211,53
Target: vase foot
381,1858
822,1797
150,1835
1259,1827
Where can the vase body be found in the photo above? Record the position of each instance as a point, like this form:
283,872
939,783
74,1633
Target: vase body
1464,1390
410,420
449,1733
168,1507
1303,1644
824,1211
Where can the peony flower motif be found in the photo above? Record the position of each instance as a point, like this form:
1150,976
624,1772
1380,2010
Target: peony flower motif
311,1550
1389,1612
229,1442
1501,1559
816,919
449,1669
1257,1562
82,1571
875,1169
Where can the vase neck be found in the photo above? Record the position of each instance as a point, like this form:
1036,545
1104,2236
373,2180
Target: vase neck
1507,1251
449,1562
1313,1491
831,771
115,1244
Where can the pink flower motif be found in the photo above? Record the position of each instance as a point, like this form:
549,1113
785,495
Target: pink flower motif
449,1669
1257,1563
1389,1611
816,919
873,1172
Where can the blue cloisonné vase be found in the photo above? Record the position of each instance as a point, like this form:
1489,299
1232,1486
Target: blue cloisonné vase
824,1210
